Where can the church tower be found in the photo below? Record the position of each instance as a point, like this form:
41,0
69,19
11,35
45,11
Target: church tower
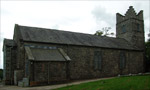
131,27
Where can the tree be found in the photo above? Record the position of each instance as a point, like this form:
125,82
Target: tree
104,32
1,74
99,33
147,53
149,36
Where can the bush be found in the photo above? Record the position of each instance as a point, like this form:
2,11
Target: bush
147,45
1,74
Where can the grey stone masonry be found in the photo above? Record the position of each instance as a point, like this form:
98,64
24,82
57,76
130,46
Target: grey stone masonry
131,27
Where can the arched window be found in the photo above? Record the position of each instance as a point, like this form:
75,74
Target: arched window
123,29
122,62
97,60
138,27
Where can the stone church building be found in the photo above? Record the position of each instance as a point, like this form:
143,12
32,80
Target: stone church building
39,56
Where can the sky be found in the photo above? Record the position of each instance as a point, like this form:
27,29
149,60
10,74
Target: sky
75,16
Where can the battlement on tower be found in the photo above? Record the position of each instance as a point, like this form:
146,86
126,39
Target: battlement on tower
130,14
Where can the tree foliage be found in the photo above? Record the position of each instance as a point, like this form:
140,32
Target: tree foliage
147,45
1,73
99,33
149,36
147,53
104,32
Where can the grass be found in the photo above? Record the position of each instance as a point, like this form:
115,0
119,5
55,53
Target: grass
120,83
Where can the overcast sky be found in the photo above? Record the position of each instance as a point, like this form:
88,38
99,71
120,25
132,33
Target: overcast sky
76,16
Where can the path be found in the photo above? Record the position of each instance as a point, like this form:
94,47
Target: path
2,87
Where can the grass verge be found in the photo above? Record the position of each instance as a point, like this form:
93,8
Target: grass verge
120,83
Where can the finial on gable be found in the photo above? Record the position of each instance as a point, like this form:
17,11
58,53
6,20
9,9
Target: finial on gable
131,12
130,7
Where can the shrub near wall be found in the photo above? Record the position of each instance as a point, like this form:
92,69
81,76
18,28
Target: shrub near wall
1,74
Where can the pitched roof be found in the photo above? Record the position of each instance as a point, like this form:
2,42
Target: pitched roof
9,42
40,54
72,38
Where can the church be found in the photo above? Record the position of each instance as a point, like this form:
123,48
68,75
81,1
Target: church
40,56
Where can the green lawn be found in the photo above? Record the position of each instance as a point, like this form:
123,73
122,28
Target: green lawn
120,83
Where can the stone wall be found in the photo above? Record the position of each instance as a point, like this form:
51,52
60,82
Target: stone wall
81,65
131,27
9,64
47,72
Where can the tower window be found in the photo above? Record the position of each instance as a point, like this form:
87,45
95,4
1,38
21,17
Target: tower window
122,60
123,28
97,60
138,27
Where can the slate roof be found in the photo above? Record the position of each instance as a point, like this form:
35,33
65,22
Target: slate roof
9,42
72,38
46,54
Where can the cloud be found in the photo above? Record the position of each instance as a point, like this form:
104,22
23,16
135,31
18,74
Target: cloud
103,18
1,36
55,26
145,6
1,47
100,14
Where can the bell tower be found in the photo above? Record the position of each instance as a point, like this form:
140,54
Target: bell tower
131,27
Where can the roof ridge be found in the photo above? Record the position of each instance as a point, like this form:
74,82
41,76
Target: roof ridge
44,35
67,31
